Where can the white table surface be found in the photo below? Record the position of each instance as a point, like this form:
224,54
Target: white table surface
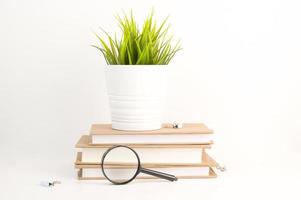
21,176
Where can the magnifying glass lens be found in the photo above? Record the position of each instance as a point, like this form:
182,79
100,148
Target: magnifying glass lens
120,165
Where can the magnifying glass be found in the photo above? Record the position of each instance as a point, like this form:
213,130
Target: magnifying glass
121,164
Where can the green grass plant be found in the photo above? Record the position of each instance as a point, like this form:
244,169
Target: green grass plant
149,46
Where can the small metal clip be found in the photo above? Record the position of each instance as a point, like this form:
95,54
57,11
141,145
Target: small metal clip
177,125
220,167
48,183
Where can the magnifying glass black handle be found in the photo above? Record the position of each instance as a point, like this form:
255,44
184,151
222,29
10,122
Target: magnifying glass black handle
168,177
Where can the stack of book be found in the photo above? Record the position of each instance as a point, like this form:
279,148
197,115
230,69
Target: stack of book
177,151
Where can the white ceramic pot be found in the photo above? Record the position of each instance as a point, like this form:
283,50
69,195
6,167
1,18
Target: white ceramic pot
137,96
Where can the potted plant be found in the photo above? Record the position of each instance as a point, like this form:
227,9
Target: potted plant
136,72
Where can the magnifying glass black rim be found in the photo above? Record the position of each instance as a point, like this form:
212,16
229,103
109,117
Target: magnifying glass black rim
102,167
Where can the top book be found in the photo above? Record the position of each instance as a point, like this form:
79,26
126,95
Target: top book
190,133
189,128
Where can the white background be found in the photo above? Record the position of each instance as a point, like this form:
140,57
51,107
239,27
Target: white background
239,72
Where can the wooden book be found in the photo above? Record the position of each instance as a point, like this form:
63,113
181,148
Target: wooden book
88,174
85,141
205,161
157,153
184,171
190,133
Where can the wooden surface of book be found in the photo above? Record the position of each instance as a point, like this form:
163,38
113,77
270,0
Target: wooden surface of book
212,174
188,128
85,142
207,161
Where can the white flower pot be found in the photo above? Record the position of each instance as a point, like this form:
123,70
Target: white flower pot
137,96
